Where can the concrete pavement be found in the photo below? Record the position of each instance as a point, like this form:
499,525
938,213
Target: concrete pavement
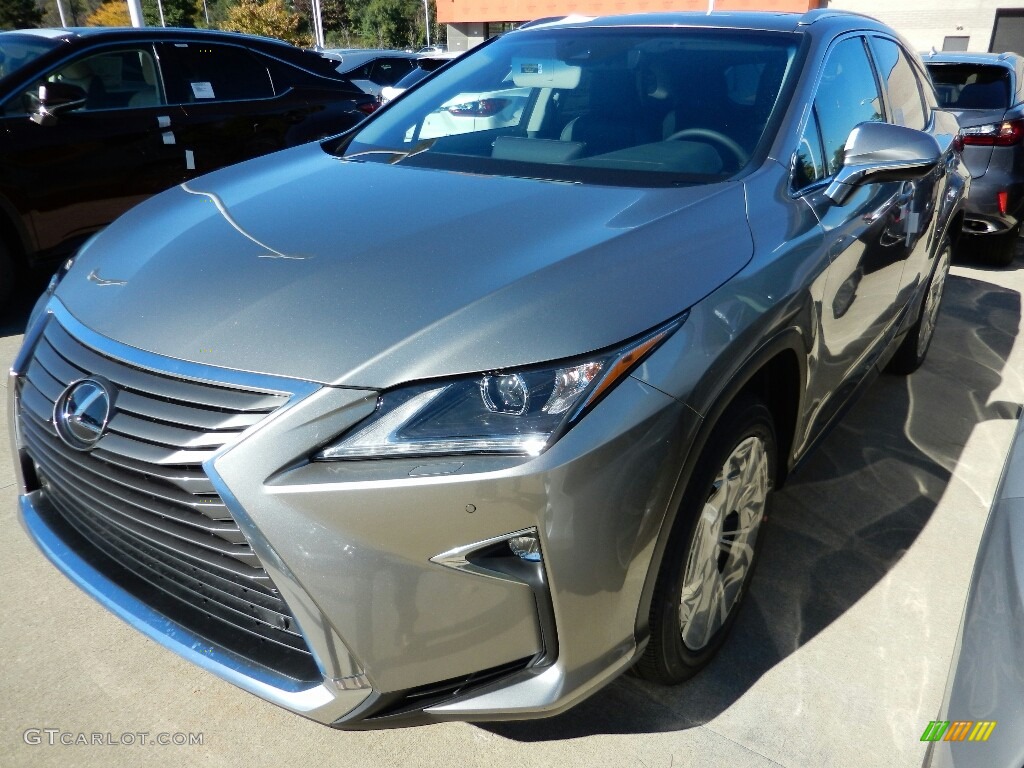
839,657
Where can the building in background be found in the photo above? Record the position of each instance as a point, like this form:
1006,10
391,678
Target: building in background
470,22
955,25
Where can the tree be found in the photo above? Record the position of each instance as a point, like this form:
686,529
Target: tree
338,25
177,13
19,14
388,23
269,18
113,13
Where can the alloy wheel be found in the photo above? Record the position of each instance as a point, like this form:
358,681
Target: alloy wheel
722,548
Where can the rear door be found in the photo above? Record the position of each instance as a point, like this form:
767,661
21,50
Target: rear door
92,164
230,110
909,104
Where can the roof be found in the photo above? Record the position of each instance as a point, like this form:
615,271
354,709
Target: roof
155,33
759,20
950,57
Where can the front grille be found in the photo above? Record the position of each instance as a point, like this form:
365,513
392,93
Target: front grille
141,507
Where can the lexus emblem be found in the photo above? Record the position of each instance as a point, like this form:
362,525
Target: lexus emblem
82,412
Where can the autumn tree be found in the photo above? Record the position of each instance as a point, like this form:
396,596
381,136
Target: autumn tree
269,18
113,13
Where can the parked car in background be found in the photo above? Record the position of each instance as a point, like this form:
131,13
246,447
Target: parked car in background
478,461
371,69
93,121
986,93
475,112
424,66
982,715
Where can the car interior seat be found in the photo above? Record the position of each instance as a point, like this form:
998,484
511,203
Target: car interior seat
81,73
610,120
149,95
991,95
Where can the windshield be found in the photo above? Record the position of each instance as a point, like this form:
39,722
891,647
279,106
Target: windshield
971,86
412,78
628,106
18,50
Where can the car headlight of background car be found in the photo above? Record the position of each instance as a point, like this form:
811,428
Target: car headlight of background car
507,412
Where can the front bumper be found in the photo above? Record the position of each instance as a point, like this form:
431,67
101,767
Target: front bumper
394,571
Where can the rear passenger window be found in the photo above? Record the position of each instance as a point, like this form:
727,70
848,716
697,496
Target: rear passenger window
390,71
218,73
847,96
901,84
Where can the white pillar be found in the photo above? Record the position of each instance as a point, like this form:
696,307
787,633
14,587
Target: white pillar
134,11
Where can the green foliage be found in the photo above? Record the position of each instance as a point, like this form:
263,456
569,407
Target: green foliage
19,14
114,13
388,24
177,13
347,23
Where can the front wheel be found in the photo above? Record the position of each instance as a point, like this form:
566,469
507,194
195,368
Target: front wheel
713,546
912,350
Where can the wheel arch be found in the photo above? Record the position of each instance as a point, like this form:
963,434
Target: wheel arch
775,374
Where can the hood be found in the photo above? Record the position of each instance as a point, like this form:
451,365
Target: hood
363,274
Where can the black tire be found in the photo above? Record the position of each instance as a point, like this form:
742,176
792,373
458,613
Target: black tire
1000,250
915,345
668,658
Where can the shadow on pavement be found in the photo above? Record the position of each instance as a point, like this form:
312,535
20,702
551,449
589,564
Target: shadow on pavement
841,523
14,315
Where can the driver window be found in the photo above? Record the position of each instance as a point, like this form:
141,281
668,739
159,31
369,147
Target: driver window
847,96
113,80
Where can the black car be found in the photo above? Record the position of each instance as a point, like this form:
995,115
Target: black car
986,93
93,121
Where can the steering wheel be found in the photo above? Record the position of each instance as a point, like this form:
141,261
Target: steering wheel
715,138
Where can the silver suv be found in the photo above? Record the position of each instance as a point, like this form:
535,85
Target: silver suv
475,463
986,93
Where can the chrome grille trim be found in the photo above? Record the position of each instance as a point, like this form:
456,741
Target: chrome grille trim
143,499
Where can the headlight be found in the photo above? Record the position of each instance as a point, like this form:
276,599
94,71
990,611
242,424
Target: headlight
59,275
508,412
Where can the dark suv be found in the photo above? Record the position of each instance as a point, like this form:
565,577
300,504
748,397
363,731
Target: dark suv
986,92
92,121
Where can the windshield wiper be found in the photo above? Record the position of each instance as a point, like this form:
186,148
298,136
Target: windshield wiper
398,155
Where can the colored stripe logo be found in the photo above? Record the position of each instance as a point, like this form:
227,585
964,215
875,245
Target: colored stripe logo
958,730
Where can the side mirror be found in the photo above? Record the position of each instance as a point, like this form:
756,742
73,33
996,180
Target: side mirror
55,98
877,152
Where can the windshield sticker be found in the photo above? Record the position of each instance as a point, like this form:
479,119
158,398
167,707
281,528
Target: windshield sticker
203,90
531,69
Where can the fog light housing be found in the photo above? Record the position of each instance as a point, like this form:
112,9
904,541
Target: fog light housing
526,547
